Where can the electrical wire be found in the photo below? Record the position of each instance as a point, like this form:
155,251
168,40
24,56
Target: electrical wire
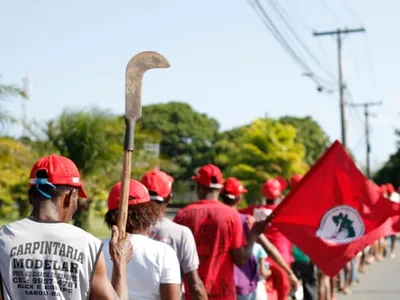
268,22
299,40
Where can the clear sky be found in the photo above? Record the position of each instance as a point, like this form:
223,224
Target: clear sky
224,61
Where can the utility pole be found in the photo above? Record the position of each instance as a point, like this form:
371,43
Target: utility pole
367,114
339,34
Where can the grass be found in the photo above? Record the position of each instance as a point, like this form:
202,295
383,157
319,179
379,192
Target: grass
97,227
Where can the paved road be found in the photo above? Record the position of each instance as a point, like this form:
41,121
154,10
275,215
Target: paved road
380,282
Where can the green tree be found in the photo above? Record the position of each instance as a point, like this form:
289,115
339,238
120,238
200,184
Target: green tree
310,134
93,139
186,135
264,149
16,159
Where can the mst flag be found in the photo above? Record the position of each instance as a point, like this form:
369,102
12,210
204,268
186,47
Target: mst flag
335,212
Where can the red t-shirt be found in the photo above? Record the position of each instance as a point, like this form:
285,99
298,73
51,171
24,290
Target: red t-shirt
283,245
217,228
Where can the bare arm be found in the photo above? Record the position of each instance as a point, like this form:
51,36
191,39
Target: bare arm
196,287
101,285
121,253
277,257
241,255
170,291
264,272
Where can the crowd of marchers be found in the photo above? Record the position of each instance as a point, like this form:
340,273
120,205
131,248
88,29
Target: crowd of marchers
211,250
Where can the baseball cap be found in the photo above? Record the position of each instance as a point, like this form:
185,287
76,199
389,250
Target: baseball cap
294,181
209,176
60,171
158,182
233,188
138,194
271,189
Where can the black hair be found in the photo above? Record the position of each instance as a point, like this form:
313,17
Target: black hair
140,216
227,200
55,193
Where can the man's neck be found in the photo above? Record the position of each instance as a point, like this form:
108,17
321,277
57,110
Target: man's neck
46,212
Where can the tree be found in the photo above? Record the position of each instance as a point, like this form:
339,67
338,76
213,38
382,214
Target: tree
16,159
264,149
186,135
93,139
7,91
310,134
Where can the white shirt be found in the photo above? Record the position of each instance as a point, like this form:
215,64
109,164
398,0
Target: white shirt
152,263
41,260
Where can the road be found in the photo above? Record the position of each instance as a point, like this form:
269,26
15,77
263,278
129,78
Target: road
380,282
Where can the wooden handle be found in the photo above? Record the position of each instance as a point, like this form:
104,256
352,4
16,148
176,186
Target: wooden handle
123,203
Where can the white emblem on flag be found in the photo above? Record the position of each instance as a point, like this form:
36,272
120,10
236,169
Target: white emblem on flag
341,225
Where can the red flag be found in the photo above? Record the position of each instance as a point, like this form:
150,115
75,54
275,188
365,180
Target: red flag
335,212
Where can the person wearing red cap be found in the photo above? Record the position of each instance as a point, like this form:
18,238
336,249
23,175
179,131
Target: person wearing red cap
247,277
218,232
272,193
153,271
44,257
179,237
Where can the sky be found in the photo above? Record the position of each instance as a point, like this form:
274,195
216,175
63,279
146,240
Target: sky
224,60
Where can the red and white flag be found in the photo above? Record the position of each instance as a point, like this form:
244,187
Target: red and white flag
335,212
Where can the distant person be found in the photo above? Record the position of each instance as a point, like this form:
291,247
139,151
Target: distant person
153,272
247,277
272,196
44,257
179,237
218,232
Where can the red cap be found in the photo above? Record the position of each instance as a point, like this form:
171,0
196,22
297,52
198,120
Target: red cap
207,174
60,171
383,189
233,188
158,182
271,189
137,191
283,182
390,188
294,181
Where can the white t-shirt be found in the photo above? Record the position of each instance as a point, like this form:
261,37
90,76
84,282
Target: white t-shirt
152,263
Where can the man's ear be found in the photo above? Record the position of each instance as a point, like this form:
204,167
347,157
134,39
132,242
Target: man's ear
67,198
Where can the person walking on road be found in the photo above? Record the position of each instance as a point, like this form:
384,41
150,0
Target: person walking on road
44,257
153,272
218,232
247,277
179,237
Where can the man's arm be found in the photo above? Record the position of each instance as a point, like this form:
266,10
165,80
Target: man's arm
241,255
121,253
101,286
170,291
277,257
196,287
189,263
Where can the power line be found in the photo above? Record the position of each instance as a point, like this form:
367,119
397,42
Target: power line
339,34
289,49
299,40
367,115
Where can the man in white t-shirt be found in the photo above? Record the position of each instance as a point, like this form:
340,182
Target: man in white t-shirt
179,237
44,257
153,272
